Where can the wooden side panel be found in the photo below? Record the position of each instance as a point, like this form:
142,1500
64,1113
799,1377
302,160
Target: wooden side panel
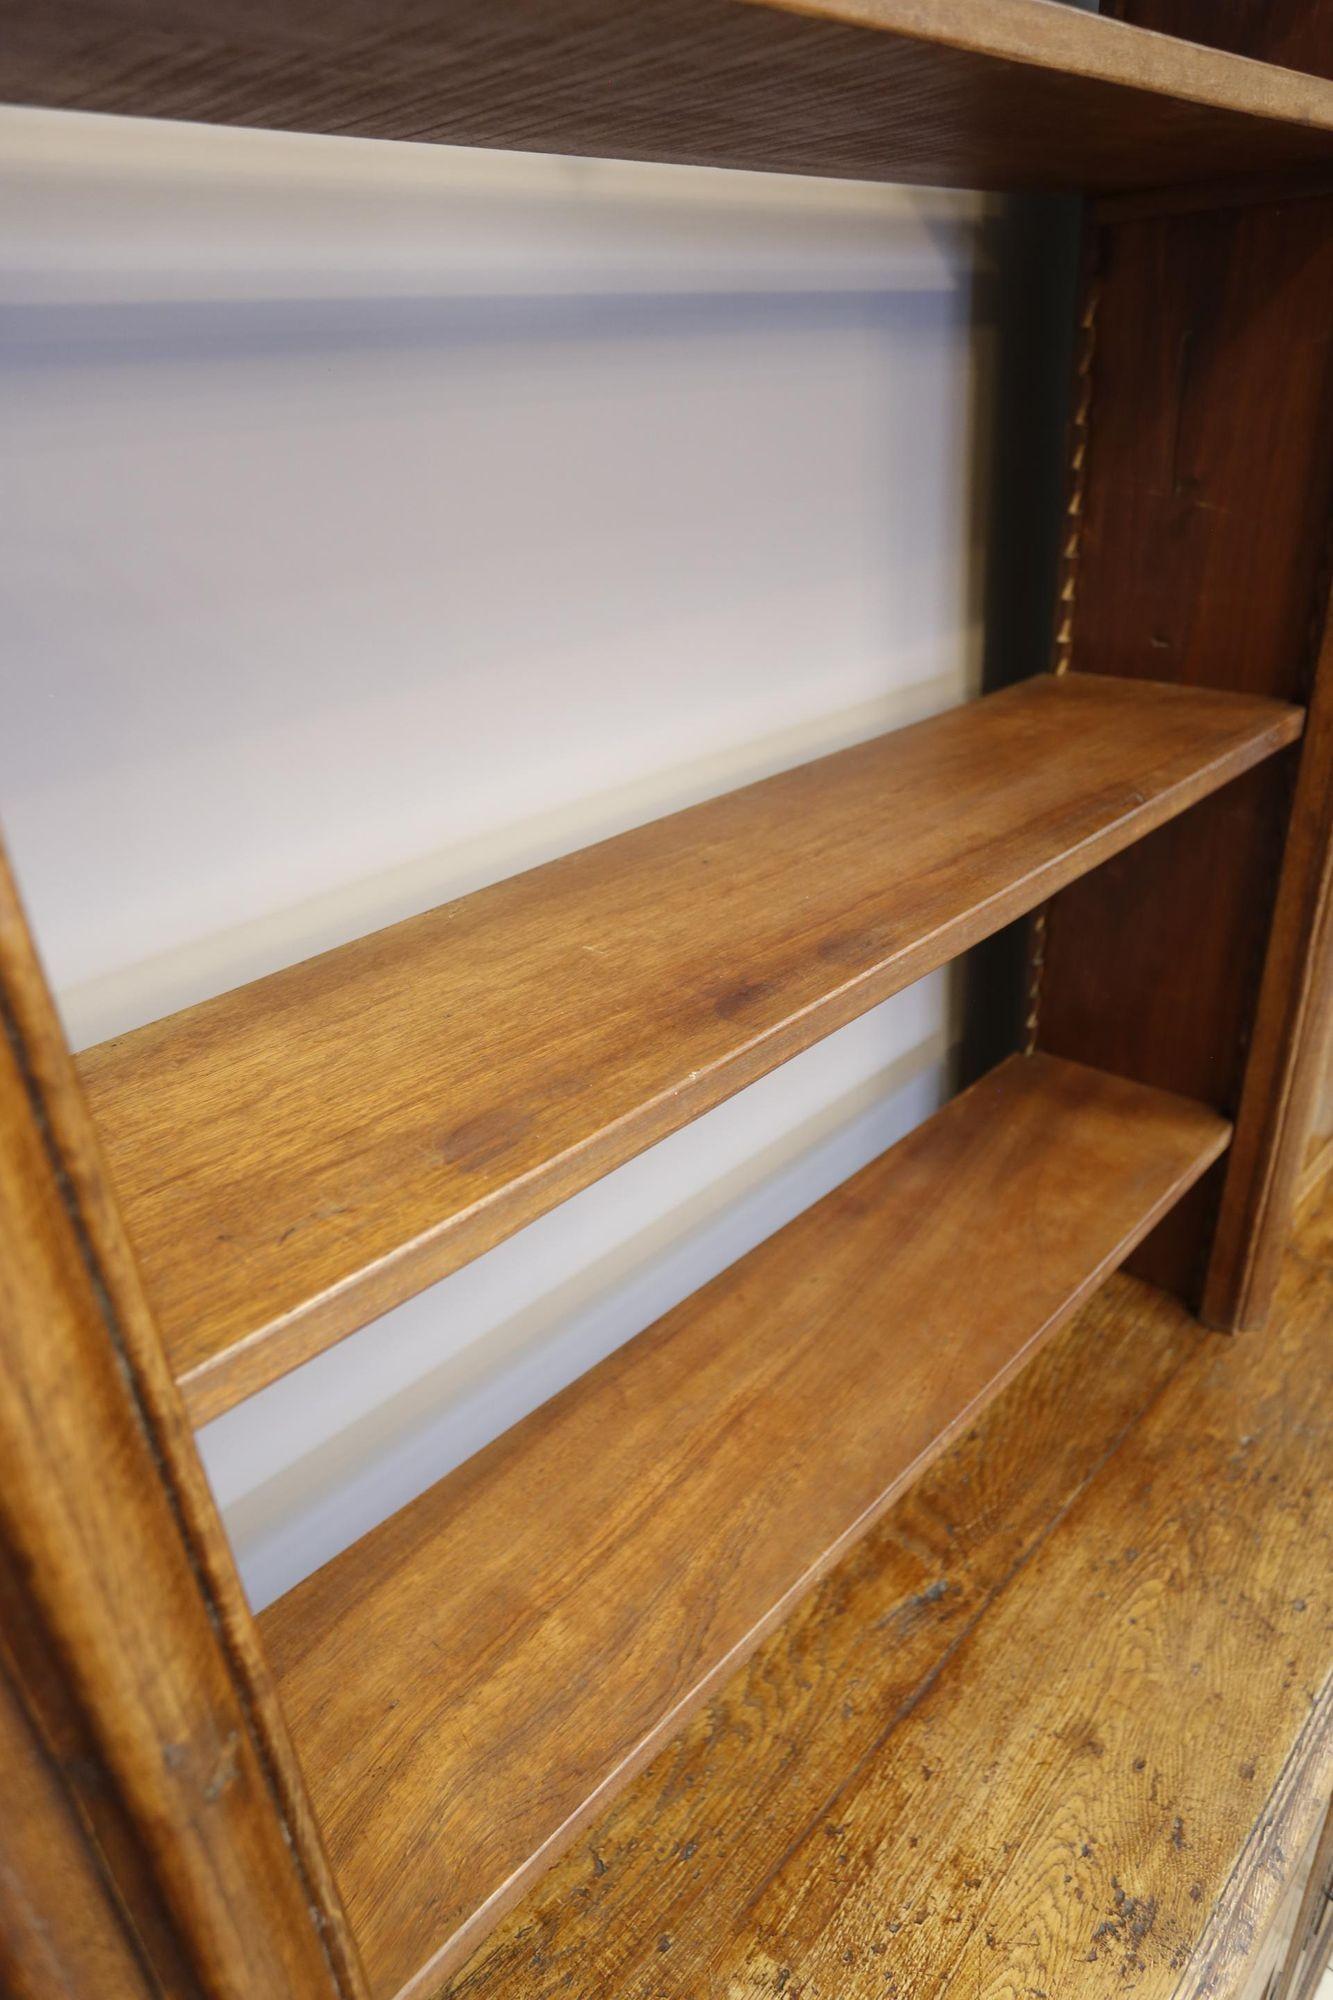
146,1727
1311,1944
1208,476
1319,1145
1282,1077
62,1927
1196,552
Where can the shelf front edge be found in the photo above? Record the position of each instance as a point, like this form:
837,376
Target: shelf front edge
300,1155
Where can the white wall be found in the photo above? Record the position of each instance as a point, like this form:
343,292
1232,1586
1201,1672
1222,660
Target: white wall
380,519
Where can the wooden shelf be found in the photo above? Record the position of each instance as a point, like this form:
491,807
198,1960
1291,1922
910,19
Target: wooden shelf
1018,93
1059,1725
473,1679
349,1130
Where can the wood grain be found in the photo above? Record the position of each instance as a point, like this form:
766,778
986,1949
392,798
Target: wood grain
1264,1968
1152,970
1288,1043
343,1133
1208,478
137,1708
1015,93
1059,1726
467,1683
62,1925
1201,481
1311,1947
1317,1164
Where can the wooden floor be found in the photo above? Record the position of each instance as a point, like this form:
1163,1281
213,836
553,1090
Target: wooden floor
1057,1728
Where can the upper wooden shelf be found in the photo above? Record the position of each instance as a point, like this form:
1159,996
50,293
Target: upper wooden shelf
961,93
473,1679
299,1155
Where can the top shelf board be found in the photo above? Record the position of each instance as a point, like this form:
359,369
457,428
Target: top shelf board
950,93
299,1155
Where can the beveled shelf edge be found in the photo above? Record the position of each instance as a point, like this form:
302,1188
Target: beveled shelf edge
1099,48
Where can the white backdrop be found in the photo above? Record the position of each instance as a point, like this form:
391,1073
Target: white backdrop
379,519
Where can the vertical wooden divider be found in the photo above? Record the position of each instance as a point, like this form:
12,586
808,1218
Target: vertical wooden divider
1200,482
149,1763
1289,1043
63,1931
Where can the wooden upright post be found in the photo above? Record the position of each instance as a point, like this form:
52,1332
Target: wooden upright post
157,1836
1289,1043
1196,550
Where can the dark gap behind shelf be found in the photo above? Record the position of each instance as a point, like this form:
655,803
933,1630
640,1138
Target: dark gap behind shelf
1037,253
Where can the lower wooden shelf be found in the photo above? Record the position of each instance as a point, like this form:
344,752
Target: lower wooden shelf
473,1680
1061,1724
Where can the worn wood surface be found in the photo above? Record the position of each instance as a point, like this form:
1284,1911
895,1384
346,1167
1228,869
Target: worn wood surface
140,1718
1196,551
1288,1043
1310,1950
948,92
1264,1970
1060,1726
472,1679
345,1132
